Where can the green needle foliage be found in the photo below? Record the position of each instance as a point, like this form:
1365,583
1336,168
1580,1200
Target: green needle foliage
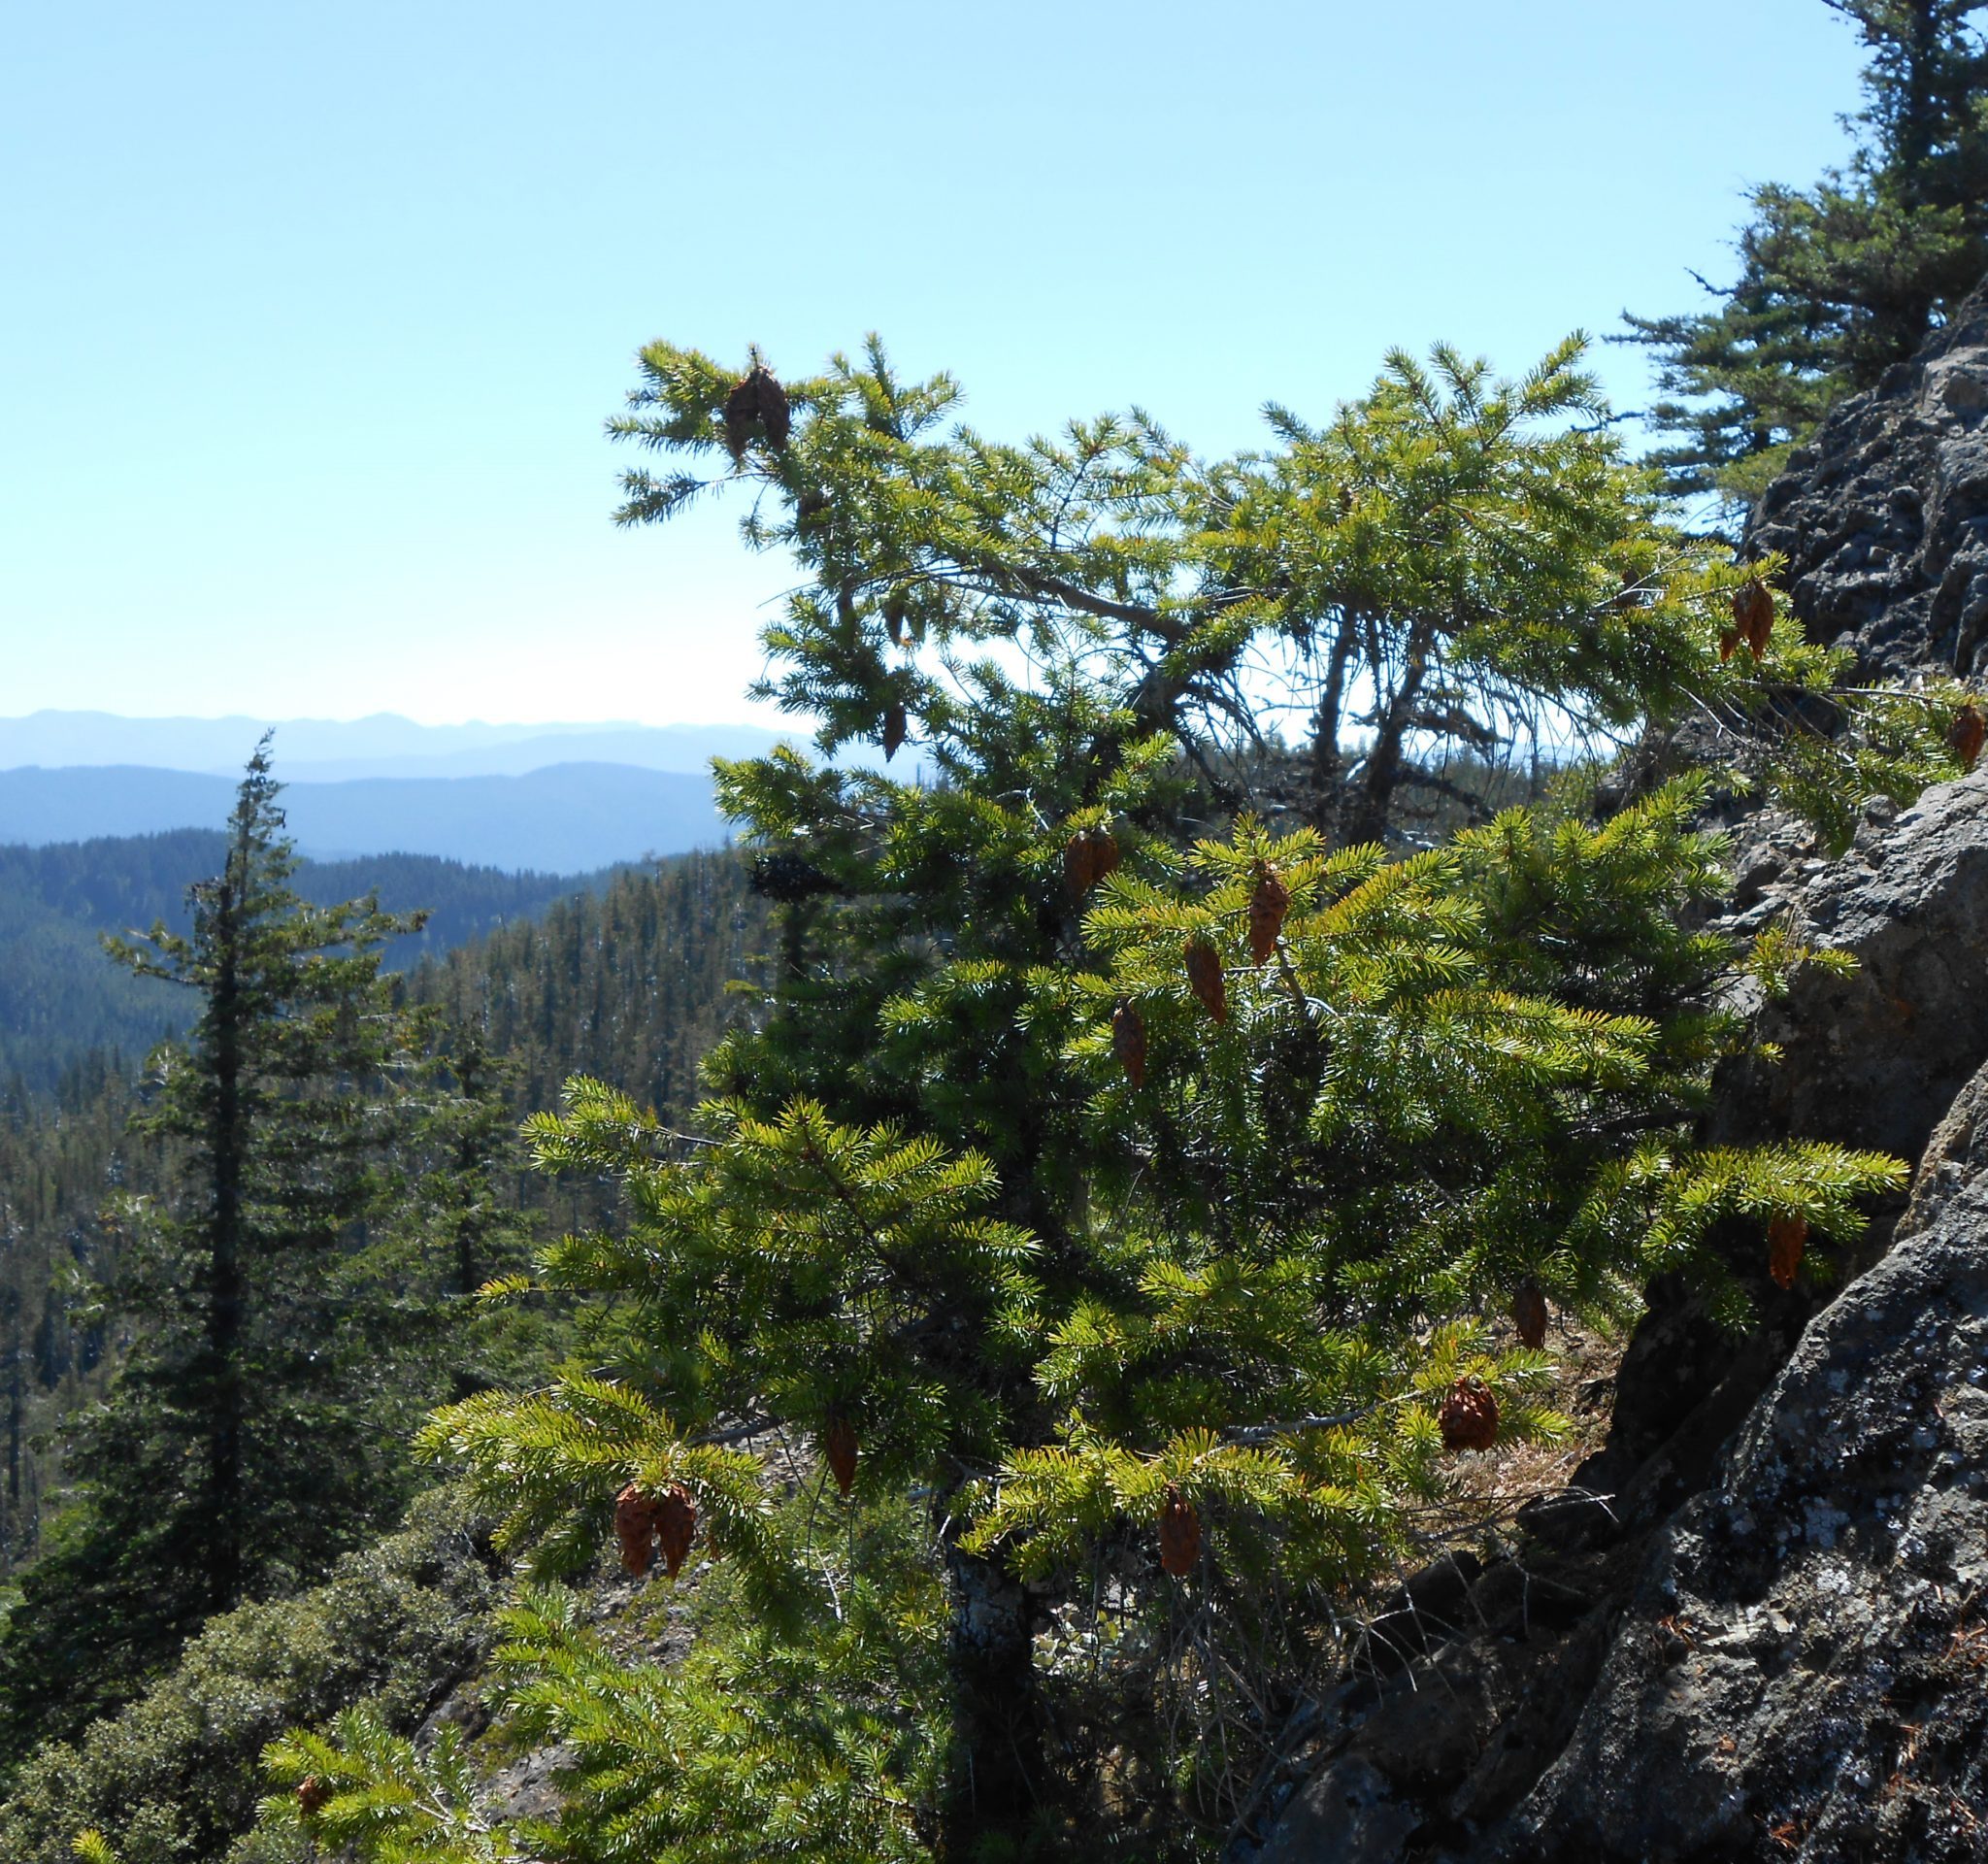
734,1744
1839,280
1460,1073
394,1802
997,1190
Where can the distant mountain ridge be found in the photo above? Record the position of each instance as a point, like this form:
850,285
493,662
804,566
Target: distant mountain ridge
383,745
566,818
684,750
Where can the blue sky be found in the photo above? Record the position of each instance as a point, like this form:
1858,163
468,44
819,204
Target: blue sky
312,316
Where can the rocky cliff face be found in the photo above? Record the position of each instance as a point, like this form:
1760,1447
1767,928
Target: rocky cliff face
1884,518
1802,1669
1770,1640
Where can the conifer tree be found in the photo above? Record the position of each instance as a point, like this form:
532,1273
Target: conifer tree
1137,1199
1839,281
249,1437
1448,559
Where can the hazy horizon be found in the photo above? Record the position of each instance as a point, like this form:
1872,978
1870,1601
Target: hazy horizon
381,714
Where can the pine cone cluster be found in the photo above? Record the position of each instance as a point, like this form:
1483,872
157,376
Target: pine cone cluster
1087,858
644,1524
758,400
1753,621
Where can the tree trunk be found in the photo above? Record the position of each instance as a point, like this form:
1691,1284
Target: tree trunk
1371,801
996,1784
1328,767
226,1144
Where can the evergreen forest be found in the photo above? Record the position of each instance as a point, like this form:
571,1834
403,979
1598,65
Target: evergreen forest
59,1002
934,1333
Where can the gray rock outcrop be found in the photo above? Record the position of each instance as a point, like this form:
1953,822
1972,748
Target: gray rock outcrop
1883,517
1881,1051
1802,1671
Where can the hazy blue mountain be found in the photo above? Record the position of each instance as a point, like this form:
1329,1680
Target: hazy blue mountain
685,748
384,744
569,818
81,804
565,820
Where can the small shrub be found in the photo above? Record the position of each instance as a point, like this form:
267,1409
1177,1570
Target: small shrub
174,1777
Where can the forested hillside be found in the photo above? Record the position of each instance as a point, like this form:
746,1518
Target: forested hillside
627,981
61,1155
627,984
59,1000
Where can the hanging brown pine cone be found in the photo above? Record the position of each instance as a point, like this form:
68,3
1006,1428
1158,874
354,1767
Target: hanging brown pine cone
1128,1041
1205,977
1965,736
1179,1535
838,1447
1105,855
1754,615
1529,1314
313,1795
1467,1416
635,1527
893,734
675,1523
1078,875
1787,1237
1267,903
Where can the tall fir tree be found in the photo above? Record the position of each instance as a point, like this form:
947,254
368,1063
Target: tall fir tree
250,1433
1839,281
